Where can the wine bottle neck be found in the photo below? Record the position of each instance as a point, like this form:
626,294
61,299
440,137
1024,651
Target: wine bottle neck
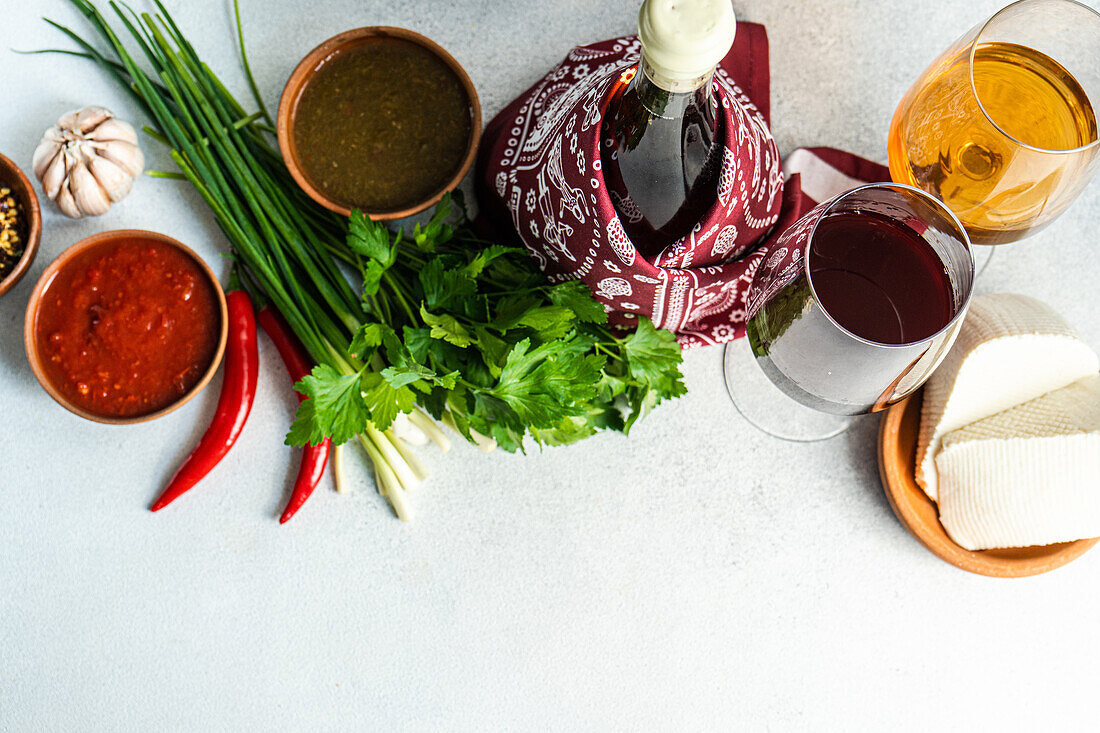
667,97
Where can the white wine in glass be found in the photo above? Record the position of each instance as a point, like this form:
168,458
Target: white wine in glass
1001,127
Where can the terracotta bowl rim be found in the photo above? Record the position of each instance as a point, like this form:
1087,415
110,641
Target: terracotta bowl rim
308,66
24,191
905,496
65,257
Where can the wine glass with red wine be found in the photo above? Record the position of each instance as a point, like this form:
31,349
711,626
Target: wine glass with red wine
854,307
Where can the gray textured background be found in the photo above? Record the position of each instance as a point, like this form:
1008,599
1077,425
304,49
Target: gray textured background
692,576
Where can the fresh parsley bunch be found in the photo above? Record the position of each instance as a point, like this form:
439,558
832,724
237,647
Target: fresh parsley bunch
475,334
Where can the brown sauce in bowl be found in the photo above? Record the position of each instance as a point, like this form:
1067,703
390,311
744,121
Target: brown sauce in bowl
382,125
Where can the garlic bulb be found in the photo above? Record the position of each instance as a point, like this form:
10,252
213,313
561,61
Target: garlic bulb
87,161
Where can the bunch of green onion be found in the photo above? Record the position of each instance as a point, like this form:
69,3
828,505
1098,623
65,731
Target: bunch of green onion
272,226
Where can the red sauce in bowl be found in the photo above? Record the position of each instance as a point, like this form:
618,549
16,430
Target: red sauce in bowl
127,327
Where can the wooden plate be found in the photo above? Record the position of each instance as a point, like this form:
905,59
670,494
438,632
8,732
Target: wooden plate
897,451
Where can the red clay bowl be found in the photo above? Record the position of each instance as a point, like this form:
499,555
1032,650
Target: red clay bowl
303,73
21,187
30,323
897,458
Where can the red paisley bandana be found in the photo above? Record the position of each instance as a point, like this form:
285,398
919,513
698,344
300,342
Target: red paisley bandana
540,176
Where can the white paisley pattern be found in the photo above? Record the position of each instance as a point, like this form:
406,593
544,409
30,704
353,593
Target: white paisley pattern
725,241
611,287
620,242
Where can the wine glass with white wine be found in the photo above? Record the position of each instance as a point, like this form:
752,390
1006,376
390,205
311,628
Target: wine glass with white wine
1001,127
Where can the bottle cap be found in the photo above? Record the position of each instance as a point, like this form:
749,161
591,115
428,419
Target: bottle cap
685,39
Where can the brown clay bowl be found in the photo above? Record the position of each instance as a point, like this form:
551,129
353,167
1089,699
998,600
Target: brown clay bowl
308,66
29,324
897,453
21,187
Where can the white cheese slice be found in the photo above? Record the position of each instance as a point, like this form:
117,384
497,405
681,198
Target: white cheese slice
1027,476
1010,349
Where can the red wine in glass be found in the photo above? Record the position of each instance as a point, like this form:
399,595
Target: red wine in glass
858,301
879,279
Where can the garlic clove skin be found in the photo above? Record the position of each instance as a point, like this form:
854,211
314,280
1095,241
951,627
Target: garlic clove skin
67,121
114,129
53,178
88,161
45,154
67,203
125,155
114,180
89,118
90,197
47,150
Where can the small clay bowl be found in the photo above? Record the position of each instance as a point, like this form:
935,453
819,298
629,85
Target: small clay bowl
21,188
308,66
897,459
29,323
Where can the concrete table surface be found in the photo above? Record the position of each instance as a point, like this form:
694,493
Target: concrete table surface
694,576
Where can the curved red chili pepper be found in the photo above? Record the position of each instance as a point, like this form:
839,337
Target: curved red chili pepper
234,403
310,471
298,365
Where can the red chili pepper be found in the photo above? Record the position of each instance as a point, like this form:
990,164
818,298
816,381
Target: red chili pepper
234,403
298,365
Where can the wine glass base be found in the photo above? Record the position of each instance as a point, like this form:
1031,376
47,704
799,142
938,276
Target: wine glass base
767,407
982,255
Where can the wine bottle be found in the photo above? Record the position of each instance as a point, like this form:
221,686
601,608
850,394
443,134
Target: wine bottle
659,155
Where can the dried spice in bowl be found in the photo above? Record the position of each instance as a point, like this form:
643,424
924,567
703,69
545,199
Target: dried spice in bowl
13,238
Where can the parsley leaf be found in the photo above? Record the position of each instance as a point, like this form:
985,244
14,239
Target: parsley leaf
511,309
550,321
333,407
493,350
368,238
445,327
366,340
544,383
641,400
371,240
384,400
485,256
410,373
653,358
436,232
442,286
419,342
575,295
